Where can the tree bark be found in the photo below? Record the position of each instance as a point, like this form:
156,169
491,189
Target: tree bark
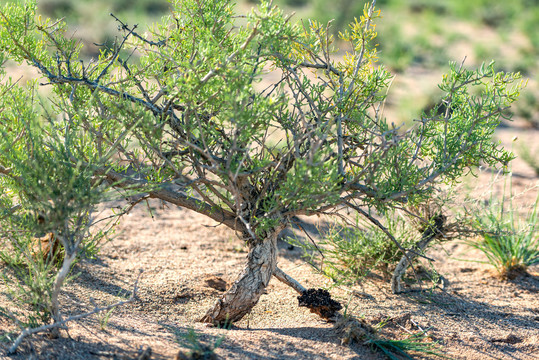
244,294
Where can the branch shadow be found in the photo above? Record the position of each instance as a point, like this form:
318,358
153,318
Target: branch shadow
278,347
474,313
86,279
302,231
42,346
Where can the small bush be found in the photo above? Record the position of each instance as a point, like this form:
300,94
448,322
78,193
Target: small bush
354,329
510,244
352,252
528,157
398,349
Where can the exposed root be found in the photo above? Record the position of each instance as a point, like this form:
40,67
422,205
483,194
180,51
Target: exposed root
288,280
251,283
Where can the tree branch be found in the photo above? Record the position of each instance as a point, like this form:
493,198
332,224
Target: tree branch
174,197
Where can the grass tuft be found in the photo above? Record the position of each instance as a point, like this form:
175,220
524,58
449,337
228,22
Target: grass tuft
353,251
399,349
510,243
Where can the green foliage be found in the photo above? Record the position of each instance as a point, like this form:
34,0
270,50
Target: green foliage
346,254
220,110
418,33
399,349
473,119
354,329
46,198
92,20
104,319
510,243
30,294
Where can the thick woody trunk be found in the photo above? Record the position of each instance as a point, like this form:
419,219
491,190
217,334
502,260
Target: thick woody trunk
244,294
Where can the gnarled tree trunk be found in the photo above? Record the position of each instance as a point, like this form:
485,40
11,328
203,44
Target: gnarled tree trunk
244,294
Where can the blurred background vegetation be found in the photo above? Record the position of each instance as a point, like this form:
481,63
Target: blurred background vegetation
417,38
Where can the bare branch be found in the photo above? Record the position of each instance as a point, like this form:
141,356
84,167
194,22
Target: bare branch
220,215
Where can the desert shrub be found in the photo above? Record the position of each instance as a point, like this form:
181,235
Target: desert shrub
509,241
189,123
347,253
46,206
46,212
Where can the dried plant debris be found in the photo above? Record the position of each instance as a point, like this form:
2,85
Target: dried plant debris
319,301
47,248
353,329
